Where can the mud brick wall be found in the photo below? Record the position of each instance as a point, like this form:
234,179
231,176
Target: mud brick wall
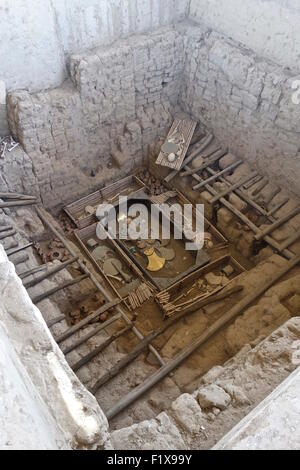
118,101
246,100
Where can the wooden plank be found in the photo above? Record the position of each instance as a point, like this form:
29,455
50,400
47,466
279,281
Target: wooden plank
224,320
186,128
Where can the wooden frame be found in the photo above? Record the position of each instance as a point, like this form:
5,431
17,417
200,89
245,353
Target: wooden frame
76,208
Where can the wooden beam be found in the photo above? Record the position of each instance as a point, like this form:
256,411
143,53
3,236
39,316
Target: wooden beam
122,363
54,270
236,310
17,196
204,143
209,161
6,235
92,333
86,321
17,250
4,205
55,320
217,175
64,285
32,271
232,188
85,359
277,224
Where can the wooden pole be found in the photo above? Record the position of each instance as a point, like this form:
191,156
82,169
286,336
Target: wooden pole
70,331
64,285
208,333
212,159
55,320
277,224
16,203
84,360
49,273
7,227
242,217
95,281
277,207
17,250
217,175
232,187
6,235
204,143
92,333
289,241
32,271
17,196
120,365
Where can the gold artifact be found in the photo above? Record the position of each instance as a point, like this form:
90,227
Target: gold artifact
155,262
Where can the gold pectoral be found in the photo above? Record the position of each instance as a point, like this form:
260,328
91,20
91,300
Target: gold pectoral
155,262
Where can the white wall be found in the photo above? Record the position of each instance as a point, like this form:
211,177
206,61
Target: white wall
37,36
269,27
